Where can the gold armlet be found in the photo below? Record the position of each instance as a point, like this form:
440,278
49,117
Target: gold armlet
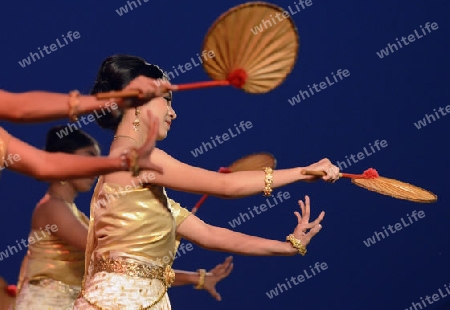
268,180
130,161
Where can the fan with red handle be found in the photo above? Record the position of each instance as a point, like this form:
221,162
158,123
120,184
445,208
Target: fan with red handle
372,181
254,61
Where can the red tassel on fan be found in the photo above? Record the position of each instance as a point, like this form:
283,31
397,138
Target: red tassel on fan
11,290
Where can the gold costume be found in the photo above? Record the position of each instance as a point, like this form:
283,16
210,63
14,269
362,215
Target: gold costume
52,271
131,248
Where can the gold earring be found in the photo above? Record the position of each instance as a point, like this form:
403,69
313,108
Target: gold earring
63,182
136,122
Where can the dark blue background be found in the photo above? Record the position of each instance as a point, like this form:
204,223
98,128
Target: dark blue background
381,99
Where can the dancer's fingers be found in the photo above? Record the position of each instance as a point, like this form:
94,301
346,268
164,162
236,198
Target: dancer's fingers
314,231
302,207
299,217
316,222
307,210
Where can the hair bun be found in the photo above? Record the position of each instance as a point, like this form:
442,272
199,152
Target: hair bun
66,140
115,73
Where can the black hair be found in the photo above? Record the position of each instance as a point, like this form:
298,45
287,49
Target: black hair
62,139
115,73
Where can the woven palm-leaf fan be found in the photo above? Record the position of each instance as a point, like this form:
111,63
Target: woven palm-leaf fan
251,162
251,55
253,50
371,181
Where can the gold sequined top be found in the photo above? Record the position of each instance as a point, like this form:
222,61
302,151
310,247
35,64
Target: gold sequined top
140,222
50,257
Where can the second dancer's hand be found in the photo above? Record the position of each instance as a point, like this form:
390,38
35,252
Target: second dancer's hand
141,155
217,274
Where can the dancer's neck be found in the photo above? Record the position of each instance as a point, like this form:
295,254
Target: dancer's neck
61,192
126,129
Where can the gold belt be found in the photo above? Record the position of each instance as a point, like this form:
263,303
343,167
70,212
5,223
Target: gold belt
121,266
165,274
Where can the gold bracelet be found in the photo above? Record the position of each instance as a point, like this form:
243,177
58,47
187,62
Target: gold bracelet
74,101
134,164
297,244
201,279
130,161
268,180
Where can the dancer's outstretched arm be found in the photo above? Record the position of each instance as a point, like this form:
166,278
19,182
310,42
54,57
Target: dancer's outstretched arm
183,177
24,158
225,240
41,106
211,278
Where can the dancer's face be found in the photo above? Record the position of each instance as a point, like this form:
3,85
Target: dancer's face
161,107
85,185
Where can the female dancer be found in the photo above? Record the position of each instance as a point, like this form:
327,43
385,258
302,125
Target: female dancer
52,271
133,229
41,106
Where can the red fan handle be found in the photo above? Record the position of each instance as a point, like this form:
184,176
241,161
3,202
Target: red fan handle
136,93
236,78
198,85
202,200
368,174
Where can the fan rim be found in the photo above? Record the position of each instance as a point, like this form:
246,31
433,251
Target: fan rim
418,200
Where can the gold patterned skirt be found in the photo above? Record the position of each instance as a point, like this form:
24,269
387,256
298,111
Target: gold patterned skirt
116,284
46,294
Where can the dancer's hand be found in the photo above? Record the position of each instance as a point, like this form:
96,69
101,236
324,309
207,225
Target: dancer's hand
301,231
332,171
148,89
215,275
